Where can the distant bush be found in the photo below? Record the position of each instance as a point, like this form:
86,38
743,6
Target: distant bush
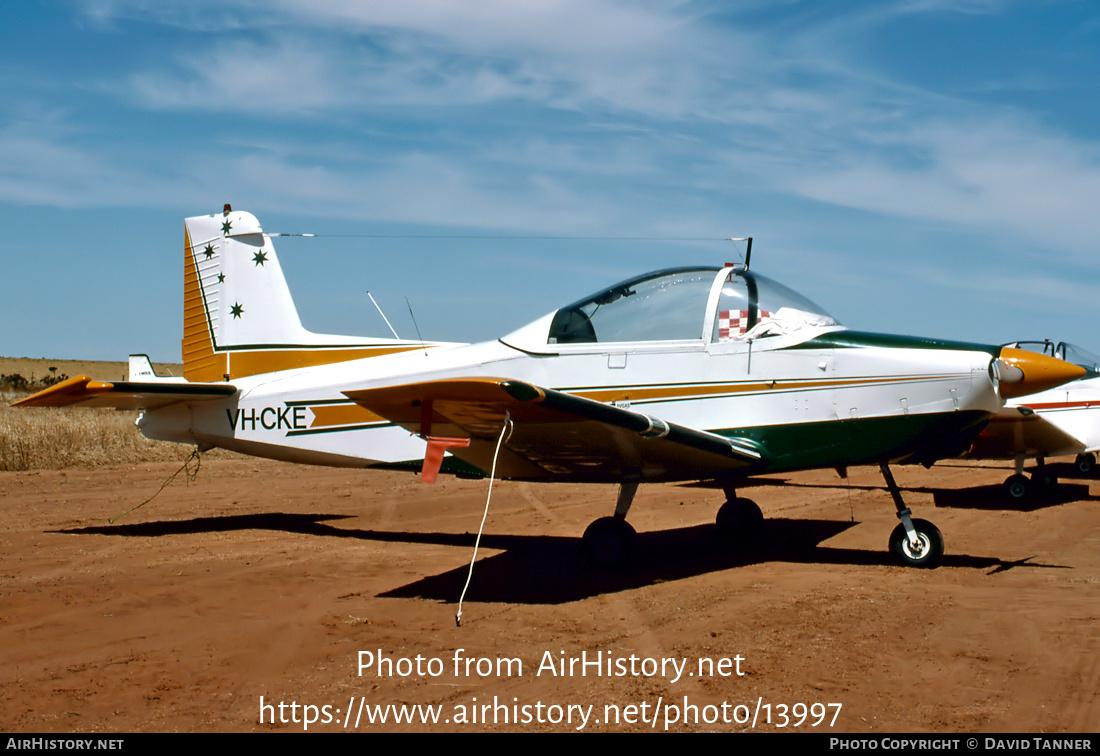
19,384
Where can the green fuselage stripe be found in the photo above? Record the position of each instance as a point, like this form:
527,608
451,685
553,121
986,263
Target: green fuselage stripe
859,339
860,441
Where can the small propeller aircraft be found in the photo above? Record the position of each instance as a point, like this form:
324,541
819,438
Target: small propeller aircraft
710,373
1053,423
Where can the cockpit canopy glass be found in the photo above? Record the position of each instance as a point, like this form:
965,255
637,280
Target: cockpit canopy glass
1075,355
671,305
666,305
1064,351
753,305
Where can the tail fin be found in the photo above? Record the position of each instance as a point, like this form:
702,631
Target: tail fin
141,371
238,316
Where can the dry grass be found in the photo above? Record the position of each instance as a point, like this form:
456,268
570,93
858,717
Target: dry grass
46,438
54,438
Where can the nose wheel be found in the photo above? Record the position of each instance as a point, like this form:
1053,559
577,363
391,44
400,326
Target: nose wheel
915,543
923,551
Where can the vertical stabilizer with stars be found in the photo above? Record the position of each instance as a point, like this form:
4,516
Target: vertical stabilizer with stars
238,316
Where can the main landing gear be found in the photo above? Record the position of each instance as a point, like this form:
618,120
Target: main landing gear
609,541
739,520
1019,487
915,543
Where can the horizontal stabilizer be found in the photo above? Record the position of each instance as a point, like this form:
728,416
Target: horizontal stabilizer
84,391
555,436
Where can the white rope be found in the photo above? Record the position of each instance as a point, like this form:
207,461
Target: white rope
492,476
191,475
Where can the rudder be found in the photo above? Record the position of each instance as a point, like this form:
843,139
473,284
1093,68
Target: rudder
239,318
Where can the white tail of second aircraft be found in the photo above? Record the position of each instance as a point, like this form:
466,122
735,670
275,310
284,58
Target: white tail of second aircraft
238,316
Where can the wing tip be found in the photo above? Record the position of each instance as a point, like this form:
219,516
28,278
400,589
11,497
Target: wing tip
69,391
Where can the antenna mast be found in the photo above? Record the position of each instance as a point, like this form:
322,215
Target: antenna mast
748,248
383,316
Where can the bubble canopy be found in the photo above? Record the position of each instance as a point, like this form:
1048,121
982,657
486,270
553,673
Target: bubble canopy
700,304
1064,351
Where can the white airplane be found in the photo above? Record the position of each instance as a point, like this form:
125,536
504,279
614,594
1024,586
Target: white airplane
696,373
1053,423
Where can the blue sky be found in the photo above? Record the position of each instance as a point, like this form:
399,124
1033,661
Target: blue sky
928,167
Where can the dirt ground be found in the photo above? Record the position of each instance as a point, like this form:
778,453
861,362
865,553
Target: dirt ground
262,584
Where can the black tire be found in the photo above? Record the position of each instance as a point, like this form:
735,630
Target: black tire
1085,463
931,545
740,519
1017,487
609,542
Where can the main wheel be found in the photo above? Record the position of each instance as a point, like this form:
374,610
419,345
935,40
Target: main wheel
609,542
739,518
1085,463
1017,487
925,553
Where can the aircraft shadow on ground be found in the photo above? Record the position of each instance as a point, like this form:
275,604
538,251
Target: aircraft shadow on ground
987,497
994,497
552,569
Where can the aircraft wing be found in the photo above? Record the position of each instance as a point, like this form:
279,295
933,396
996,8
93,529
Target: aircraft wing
84,391
555,436
1022,431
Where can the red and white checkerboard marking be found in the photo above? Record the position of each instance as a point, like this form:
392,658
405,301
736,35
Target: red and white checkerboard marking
734,323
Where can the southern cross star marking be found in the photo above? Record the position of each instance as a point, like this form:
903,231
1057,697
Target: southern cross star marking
236,309
259,258
226,227
209,251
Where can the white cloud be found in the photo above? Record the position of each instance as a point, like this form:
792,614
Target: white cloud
287,75
40,167
652,93
989,172
568,27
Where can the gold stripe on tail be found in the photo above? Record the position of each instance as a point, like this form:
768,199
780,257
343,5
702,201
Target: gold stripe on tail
200,362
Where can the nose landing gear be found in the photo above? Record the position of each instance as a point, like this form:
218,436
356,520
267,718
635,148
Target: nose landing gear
915,543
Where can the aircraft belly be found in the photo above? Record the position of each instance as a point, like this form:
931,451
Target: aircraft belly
172,423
